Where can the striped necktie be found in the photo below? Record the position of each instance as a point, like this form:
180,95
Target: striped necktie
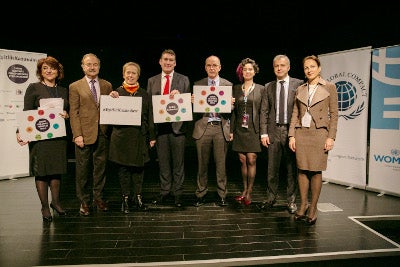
213,114
93,89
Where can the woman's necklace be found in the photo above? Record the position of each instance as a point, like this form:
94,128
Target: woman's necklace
52,89
248,91
44,82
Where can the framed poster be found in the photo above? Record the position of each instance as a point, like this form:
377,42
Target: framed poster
172,109
212,99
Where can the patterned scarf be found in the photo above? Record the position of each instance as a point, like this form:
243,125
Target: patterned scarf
130,88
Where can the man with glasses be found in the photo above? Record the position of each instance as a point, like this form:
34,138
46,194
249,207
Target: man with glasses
90,138
211,134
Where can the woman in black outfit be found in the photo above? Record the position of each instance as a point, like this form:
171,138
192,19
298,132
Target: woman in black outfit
47,158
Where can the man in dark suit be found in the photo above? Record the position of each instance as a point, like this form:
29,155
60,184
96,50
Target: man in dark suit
170,136
90,138
211,134
276,112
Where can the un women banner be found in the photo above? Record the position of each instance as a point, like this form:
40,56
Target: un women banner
384,160
17,70
350,71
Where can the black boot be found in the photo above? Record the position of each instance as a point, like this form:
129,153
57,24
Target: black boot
139,203
125,204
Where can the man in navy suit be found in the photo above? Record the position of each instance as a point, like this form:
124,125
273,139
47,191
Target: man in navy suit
170,136
211,134
276,112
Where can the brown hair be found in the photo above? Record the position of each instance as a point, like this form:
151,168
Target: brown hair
313,57
252,62
53,63
168,51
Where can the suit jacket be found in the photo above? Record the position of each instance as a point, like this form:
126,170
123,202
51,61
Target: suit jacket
179,82
84,112
258,92
323,108
269,106
202,118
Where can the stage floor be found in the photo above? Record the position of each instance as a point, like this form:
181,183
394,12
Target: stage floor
354,227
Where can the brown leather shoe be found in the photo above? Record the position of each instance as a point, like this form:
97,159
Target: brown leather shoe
101,205
84,210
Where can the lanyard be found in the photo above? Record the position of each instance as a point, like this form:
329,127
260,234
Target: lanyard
246,95
249,91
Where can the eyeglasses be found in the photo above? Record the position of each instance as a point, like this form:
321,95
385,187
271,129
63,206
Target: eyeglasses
212,66
90,65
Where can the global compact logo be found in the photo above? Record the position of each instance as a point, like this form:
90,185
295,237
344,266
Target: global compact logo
392,158
352,94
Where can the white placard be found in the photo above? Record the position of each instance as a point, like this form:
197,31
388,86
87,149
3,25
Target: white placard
45,103
177,108
212,99
41,124
123,110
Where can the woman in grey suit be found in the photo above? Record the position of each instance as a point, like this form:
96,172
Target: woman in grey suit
245,125
312,134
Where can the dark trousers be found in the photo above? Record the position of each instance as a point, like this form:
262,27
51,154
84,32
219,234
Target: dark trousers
212,141
279,154
90,169
128,175
171,155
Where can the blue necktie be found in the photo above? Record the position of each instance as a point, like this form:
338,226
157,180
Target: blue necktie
213,114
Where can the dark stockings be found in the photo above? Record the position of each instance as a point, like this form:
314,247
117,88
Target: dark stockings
248,169
42,186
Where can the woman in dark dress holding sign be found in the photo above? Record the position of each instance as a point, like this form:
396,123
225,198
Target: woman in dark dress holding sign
129,144
245,125
47,158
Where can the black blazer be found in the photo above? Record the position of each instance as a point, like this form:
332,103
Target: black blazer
258,92
268,106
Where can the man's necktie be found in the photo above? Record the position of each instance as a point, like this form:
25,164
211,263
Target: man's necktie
166,87
213,114
282,104
93,89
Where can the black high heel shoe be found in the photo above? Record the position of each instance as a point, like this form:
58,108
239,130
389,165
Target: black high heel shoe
301,217
48,218
59,212
311,221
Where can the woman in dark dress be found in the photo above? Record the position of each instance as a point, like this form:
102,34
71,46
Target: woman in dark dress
245,125
129,144
47,158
